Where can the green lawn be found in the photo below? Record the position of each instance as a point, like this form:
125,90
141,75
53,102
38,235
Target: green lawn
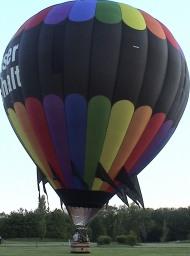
26,248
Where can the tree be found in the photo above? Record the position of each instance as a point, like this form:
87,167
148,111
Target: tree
16,225
131,238
134,219
164,232
41,217
97,227
59,225
108,216
158,217
146,222
121,224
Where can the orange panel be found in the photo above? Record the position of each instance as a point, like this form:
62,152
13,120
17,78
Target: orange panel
137,126
28,130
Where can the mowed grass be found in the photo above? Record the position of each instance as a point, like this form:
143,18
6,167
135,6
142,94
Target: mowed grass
14,248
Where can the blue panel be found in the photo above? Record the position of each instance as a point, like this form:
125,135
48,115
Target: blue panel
76,116
83,11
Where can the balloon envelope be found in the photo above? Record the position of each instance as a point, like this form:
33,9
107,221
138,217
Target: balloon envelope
93,90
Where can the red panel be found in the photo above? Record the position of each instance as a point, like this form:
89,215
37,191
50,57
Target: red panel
38,120
37,19
19,30
147,136
170,37
111,189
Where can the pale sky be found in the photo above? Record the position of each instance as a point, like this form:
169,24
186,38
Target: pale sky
165,182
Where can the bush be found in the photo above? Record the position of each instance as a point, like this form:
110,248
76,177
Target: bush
188,237
121,239
131,239
104,240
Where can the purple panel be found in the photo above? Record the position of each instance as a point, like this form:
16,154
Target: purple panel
55,115
58,13
153,148
76,114
153,154
182,54
83,11
159,148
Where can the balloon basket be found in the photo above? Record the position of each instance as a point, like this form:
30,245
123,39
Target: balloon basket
80,247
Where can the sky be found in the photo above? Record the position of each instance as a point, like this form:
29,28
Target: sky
165,182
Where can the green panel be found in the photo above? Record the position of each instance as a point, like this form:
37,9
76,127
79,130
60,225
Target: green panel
108,12
99,109
120,118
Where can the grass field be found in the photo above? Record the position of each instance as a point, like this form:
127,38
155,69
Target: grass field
31,248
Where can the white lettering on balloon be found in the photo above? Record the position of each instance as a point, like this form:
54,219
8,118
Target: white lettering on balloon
10,81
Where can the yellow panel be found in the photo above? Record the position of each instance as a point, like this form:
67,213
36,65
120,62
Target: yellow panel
97,184
22,136
136,128
119,121
132,17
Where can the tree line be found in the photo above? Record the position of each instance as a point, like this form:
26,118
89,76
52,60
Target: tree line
149,225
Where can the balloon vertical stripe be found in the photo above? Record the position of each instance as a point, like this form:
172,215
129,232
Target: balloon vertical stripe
132,17
153,26
98,115
138,123
82,11
58,13
27,143
76,112
157,150
152,147
121,113
108,12
37,19
55,115
146,138
35,112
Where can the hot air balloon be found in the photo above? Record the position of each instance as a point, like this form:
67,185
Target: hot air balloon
93,90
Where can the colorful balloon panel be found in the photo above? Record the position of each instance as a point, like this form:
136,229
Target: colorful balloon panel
93,90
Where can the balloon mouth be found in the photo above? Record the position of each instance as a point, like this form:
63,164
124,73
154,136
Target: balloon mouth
83,205
83,198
